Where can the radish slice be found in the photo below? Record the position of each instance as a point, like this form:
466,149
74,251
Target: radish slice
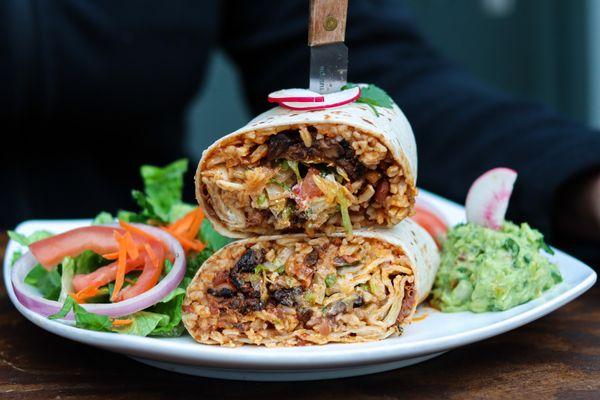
335,99
488,197
296,95
30,297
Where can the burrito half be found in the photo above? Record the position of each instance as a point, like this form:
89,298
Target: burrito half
293,290
310,171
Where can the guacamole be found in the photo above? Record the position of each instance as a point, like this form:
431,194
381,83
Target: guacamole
486,270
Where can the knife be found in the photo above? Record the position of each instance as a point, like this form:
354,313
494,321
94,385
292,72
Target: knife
328,54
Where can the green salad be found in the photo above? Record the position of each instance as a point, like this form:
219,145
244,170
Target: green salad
492,270
160,204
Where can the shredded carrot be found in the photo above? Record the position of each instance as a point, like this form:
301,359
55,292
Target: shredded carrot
420,317
121,322
186,229
195,225
135,230
130,281
111,256
85,294
132,249
188,244
152,255
121,265
182,225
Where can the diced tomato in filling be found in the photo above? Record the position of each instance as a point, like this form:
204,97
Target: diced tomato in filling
307,188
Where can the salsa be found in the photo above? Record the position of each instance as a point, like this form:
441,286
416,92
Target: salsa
492,270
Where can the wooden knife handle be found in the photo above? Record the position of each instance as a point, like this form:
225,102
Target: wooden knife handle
327,21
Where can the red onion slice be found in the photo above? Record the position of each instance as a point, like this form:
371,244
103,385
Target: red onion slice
30,297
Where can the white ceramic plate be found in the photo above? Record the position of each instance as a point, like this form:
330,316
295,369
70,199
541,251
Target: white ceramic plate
424,339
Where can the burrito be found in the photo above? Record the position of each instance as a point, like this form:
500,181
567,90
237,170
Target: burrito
314,171
295,290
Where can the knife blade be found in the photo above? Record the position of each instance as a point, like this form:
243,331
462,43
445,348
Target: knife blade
328,53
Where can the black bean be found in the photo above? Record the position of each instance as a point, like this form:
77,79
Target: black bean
304,315
222,292
359,301
249,260
312,258
286,296
336,308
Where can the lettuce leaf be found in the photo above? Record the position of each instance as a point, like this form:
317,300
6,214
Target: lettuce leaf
213,240
169,307
83,318
26,240
143,323
163,188
103,218
66,278
47,282
88,261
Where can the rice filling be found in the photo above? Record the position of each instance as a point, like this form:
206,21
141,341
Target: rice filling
297,290
305,178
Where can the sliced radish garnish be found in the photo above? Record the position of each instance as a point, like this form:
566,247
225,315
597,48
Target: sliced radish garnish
335,99
296,95
487,200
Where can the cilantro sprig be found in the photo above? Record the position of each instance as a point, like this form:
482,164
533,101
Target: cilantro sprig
372,95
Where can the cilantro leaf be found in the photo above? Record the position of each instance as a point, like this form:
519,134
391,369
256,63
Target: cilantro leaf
372,95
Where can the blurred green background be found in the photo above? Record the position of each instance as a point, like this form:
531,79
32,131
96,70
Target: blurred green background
546,50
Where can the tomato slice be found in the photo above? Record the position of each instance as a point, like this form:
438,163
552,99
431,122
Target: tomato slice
104,275
51,251
432,223
154,259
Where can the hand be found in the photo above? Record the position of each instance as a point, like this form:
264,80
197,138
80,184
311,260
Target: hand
578,208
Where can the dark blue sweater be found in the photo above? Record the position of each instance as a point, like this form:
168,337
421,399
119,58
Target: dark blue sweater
91,89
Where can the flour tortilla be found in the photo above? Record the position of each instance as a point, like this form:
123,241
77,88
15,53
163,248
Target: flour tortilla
207,327
389,126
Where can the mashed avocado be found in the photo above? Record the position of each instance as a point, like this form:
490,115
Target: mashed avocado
486,270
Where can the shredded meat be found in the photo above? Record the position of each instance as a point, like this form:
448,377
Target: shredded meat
407,302
286,296
288,145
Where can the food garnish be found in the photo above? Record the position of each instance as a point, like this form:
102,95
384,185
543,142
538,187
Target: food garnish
125,278
488,197
489,264
302,99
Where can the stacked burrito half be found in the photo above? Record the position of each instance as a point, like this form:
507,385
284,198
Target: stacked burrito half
320,198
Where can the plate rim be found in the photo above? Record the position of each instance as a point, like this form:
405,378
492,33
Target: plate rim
328,356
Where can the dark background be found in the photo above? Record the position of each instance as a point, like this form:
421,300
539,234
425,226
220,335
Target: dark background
545,50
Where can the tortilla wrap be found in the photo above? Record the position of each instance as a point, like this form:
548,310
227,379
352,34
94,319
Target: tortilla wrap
361,160
292,290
